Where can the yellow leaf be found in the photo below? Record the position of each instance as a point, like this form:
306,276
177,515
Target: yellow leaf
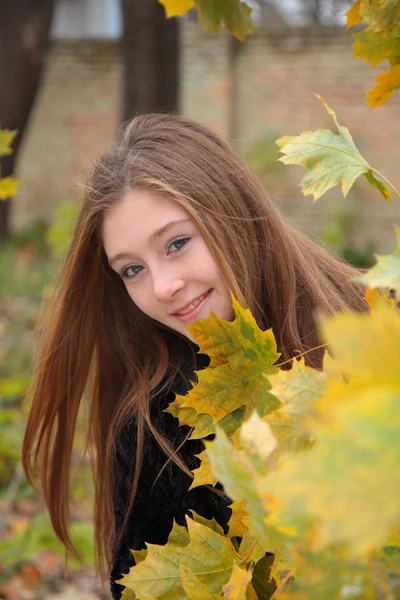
139,555
385,84
236,587
176,8
363,344
353,15
203,474
6,138
374,297
238,523
128,594
245,358
8,187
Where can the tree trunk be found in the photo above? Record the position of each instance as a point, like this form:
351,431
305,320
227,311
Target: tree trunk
24,35
150,55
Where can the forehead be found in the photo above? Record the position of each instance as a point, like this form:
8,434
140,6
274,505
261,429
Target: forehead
131,220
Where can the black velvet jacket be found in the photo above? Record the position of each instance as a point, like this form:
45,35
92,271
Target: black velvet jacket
158,504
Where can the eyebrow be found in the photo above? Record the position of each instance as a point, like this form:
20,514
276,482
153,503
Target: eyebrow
152,238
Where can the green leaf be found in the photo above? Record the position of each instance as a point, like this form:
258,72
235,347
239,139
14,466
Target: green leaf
386,271
263,585
209,556
242,358
234,13
193,586
333,159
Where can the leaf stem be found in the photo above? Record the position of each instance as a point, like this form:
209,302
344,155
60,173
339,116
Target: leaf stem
249,553
386,181
301,354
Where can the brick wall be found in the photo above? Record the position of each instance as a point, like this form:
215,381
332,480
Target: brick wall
254,93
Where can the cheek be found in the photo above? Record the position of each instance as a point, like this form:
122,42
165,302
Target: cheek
142,300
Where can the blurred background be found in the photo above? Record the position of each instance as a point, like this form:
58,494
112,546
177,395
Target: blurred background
71,71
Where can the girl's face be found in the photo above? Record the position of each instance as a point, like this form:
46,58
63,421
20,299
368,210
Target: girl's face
167,268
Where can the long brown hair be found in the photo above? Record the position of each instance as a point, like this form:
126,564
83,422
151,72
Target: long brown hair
96,343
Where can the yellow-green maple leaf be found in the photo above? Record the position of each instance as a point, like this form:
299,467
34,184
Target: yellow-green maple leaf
211,13
234,13
332,159
386,271
193,586
6,138
209,556
375,46
8,187
385,84
297,389
242,358
378,42
380,15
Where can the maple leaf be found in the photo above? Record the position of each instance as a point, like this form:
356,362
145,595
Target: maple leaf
332,159
353,15
386,271
382,15
128,594
375,46
193,586
242,358
237,586
357,435
375,298
234,13
208,555
385,84
235,469
176,8
8,187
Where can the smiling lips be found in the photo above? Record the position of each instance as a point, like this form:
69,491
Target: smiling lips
188,308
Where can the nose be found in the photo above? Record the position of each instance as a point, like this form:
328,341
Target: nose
166,283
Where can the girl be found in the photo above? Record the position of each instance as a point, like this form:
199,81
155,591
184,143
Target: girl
172,223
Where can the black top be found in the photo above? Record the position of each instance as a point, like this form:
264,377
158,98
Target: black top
157,505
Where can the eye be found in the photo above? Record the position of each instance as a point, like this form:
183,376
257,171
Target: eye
179,244
131,271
